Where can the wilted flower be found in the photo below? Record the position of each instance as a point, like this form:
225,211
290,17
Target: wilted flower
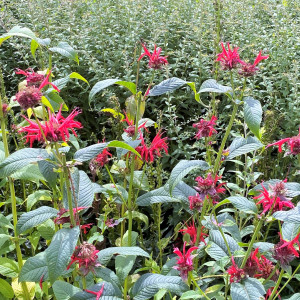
97,294
32,78
252,264
236,274
86,257
55,129
149,153
284,251
293,143
205,128
279,190
208,186
266,268
102,158
229,59
185,261
155,61
248,69
196,202
62,216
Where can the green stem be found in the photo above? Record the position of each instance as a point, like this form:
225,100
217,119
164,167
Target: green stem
277,285
196,285
125,288
83,283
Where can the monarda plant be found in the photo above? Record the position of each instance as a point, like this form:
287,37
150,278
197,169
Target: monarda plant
64,204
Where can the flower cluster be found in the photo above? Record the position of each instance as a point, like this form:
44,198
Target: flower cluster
32,78
86,257
205,128
191,230
155,60
196,202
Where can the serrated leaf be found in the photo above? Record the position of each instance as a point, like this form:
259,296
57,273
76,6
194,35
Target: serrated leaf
109,276
47,230
64,290
104,256
20,32
211,85
250,289
35,217
253,115
33,198
46,168
59,252
64,49
182,169
290,230
8,267
20,159
243,204
89,152
34,268
30,173
100,86
167,85
149,284
241,146
290,216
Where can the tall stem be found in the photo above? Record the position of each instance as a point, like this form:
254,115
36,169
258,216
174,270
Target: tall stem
277,285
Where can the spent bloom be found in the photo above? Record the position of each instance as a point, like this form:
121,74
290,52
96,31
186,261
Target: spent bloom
252,264
130,130
248,69
284,251
229,59
149,153
155,60
32,78
208,186
63,215
185,261
236,274
205,128
102,158
196,202
293,144
86,257
55,129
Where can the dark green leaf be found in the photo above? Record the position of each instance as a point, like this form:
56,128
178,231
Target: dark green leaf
167,85
253,115
211,85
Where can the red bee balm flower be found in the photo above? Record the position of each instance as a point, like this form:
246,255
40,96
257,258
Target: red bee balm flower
248,69
205,128
185,261
86,256
191,230
293,143
102,158
229,59
55,129
32,78
236,274
149,153
196,202
155,61
285,252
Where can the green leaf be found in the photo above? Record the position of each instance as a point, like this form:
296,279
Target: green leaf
20,32
47,229
64,49
4,238
39,195
30,173
149,284
211,85
104,256
124,265
294,297
64,290
110,276
167,85
250,289
134,237
182,169
35,217
290,216
89,152
140,180
243,204
192,85
290,230
60,251
55,101
241,146
253,115
8,267
46,168
100,86
78,76
190,295
6,289
129,85
140,216
20,159
123,145
34,268
33,46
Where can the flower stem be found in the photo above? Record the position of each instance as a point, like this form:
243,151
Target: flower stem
196,285
277,285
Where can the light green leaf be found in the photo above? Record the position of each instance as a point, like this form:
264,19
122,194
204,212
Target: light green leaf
6,289
253,115
78,76
241,146
64,290
40,195
66,50
8,267
20,32
123,145
129,85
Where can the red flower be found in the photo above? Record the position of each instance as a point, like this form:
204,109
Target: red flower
208,186
61,219
149,153
248,69
85,227
185,261
205,128
130,130
191,230
155,61
98,294
32,78
293,143
284,251
229,59
102,158
236,274
269,293
269,202
252,264
196,202
266,267
55,129
31,95
86,256
4,108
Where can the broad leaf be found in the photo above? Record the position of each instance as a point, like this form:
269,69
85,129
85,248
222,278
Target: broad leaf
249,289
253,115
211,85
124,265
89,152
20,32
109,276
241,146
123,145
290,230
8,267
47,169
290,216
243,204
30,172
64,290
38,195
6,289
78,76
167,85
129,85
35,217
64,49
100,86
149,284
60,251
